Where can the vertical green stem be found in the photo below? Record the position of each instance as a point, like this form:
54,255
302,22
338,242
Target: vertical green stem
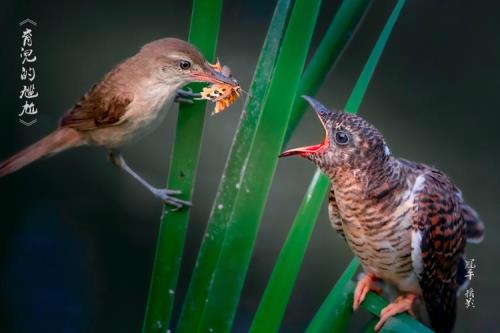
216,229
203,34
228,277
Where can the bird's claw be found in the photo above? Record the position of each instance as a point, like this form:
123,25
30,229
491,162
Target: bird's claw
179,99
167,197
364,285
401,304
186,96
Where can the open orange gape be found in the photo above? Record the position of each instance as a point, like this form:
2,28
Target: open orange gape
223,95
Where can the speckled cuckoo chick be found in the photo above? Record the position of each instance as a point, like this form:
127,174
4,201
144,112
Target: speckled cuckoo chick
405,221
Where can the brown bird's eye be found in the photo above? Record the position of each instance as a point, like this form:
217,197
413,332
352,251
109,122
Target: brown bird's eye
184,64
341,138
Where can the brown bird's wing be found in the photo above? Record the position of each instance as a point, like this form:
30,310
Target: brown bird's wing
96,109
334,214
438,240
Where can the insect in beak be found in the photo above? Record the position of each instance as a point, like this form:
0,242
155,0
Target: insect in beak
221,93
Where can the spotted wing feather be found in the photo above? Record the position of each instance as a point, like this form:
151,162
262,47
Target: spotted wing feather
440,230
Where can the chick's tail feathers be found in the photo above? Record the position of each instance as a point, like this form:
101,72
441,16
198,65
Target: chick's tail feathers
474,225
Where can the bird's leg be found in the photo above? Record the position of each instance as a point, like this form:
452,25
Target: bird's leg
163,194
186,96
364,285
400,304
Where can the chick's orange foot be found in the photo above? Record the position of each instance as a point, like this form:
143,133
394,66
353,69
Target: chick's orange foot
401,304
366,284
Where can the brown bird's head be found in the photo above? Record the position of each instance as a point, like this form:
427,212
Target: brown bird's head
350,141
176,62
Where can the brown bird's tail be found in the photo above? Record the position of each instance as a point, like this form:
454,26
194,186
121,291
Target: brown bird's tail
57,141
474,225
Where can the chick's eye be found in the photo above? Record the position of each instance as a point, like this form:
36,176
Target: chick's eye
341,138
184,64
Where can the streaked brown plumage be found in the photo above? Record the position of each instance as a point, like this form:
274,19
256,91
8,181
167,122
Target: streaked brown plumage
405,221
127,103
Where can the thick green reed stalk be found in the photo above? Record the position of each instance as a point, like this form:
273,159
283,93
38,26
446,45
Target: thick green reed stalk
203,32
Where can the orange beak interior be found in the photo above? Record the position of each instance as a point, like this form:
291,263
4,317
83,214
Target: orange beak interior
303,151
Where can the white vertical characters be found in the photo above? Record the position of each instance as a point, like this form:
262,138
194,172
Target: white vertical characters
469,299
470,265
28,92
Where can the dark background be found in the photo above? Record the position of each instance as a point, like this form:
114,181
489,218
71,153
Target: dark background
77,236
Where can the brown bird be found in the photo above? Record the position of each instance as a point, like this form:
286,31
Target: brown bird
127,103
406,221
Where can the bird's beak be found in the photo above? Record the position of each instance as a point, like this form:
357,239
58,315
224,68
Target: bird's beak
210,75
322,113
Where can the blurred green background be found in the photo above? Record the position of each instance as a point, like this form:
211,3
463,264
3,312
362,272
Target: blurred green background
77,236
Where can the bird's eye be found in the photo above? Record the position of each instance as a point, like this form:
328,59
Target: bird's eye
184,64
342,138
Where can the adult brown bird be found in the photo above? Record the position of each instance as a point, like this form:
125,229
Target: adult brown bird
130,101
406,221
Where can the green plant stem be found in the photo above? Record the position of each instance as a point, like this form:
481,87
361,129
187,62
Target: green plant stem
228,277
369,327
216,229
335,40
366,74
333,315
204,29
287,267
277,294
399,323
